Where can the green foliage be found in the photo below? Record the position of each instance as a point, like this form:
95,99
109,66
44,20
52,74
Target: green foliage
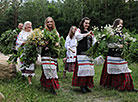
29,54
48,39
52,38
133,52
7,41
68,12
106,36
29,51
62,48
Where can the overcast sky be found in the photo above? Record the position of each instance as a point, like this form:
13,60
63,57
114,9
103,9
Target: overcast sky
51,0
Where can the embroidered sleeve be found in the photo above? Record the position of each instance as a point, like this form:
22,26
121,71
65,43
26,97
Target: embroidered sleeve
67,43
19,40
78,35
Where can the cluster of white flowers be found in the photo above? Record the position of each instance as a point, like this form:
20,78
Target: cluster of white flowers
109,29
98,35
128,37
95,28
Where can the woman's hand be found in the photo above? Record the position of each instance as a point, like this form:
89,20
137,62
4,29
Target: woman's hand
121,46
91,33
87,34
71,50
23,44
57,44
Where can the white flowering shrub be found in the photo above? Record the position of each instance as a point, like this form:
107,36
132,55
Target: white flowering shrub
106,35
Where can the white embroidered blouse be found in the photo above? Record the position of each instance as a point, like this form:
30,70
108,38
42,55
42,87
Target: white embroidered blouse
22,37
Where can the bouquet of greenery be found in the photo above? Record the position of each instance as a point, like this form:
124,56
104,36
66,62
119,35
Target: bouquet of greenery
109,35
29,51
36,38
51,38
100,47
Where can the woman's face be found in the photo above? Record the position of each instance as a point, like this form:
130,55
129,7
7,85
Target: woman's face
28,27
49,22
86,24
74,29
20,26
121,23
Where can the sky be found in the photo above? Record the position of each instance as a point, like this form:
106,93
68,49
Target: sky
51,0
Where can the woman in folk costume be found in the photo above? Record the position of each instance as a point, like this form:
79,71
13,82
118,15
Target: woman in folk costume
49,78
70,45
84,68
21,39
116,73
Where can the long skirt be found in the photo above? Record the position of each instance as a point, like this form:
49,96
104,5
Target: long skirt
81,81
120,82
27,71
49,83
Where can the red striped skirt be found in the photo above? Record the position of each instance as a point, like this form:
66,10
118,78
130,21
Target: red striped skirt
49,83
118,81
81,81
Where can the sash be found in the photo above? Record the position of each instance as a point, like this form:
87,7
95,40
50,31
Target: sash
85,66
117,65
49,67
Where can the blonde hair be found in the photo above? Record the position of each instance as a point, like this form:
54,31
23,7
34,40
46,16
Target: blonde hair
53,24
71,34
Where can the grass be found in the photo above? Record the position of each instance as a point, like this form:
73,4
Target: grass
18,90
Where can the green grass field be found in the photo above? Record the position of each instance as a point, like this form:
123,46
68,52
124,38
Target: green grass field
18,90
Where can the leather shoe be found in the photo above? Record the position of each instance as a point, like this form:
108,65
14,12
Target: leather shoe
53,91
83,89
135,90
88,90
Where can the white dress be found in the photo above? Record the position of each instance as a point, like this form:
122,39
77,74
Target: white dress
22,37
71,43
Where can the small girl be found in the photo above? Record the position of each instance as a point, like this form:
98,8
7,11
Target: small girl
70,45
